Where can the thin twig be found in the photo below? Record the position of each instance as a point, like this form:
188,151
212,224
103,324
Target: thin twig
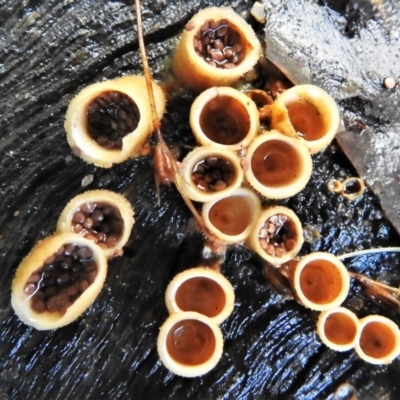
369,251
395,291
378,292
370,282
166,169
147,72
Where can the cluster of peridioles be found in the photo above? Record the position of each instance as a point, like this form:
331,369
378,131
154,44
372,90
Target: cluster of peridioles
63,274
109,122
321,282
235,156
106,123
234,161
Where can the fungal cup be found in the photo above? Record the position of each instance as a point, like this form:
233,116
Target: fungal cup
279,166
201,290
306,112
210,173
379,341
224,117
189,344
58,280
216,48
339,329
231,218
352,188
277,235
320,281
102,216
108,122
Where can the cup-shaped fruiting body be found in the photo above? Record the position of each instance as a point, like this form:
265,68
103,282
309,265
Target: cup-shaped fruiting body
278,166
335,186
277,235
339,329
379,341
211,172
102,216
260,97
189,344
320,281
352,188
108,122
306,112
231,218
202,290
225,117
217,47
58,280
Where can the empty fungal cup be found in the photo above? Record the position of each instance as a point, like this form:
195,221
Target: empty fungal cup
102,216
231,218
277,235
224,117
108,122
189,344
339,329
321,282
306,112
279,166
201,290
217,48
352,188
379,341
211,172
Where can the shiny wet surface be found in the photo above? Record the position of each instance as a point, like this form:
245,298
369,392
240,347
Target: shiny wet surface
50,51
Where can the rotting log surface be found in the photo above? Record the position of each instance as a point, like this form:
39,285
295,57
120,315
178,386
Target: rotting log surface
49,50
